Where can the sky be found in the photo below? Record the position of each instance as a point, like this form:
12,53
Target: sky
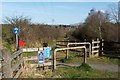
51,12
60,0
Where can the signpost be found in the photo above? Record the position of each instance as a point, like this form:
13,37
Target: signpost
46,52
16,31
40,56
43,55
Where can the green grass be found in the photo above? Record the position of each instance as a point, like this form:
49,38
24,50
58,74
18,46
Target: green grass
63,60
84,71
76,58
7,46
103,60
28,54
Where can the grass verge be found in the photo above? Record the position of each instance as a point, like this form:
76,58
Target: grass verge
84,71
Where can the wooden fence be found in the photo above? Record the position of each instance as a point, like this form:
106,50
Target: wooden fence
110,49
63,44
11,64
93,49
1,74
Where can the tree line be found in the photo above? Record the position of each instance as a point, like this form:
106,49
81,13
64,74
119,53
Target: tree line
34,35
100,25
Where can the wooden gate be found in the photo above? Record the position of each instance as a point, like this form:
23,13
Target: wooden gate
11,64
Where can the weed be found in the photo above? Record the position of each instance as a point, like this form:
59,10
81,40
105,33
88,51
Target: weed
64,60
85,67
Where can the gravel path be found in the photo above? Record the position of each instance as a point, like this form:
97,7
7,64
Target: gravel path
105,67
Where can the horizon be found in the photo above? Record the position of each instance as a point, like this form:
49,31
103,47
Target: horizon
52,13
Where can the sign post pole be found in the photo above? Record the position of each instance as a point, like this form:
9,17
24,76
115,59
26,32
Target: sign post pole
16,31
17,48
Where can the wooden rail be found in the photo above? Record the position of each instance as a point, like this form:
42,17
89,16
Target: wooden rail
12,65
29,49
63,44
95,47
59,49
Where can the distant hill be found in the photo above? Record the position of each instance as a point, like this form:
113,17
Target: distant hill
75,24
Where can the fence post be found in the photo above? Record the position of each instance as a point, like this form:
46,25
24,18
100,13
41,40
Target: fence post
92,48
21,58
99,47
1,72
54,60
67,51
102,46
85,52
85,46
7,71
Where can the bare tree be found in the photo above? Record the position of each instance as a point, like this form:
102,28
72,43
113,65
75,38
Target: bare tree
115,16
114,12
17,20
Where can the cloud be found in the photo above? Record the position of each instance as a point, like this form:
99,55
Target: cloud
60,0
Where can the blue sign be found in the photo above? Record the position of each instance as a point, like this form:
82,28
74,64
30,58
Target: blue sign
40,57
16,30
46,52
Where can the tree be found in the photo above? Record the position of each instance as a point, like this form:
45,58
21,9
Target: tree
9,23
115,17
96,25
21,22
114,12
